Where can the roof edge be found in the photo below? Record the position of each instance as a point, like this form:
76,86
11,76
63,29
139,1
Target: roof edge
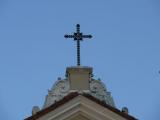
70,97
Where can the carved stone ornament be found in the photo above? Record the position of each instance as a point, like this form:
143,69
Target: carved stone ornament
62,88
57,92
98,90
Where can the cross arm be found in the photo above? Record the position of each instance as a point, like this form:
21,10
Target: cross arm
69,36
86,36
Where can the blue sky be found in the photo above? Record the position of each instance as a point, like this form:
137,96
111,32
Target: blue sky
124,51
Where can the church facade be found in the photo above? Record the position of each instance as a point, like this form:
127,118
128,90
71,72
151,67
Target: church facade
79,97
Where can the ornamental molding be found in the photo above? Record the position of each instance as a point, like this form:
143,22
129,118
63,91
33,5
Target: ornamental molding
62,88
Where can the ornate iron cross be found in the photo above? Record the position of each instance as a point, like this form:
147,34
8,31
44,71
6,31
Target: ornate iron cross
78,36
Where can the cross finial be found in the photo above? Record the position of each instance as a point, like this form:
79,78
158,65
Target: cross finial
78,36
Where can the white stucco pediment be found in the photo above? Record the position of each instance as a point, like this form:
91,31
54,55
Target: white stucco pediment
81,108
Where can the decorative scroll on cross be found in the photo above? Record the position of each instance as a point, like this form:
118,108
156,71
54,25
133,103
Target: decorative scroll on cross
78,36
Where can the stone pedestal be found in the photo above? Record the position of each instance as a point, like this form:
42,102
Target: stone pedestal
79,78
